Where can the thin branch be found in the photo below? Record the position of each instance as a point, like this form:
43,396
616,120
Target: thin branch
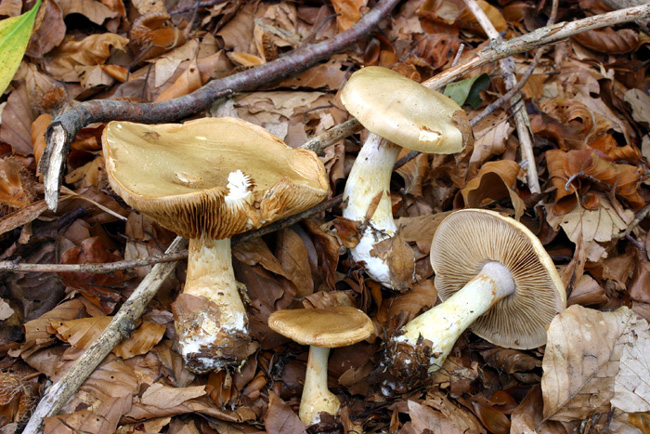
120,327
522,122
333,135
64,127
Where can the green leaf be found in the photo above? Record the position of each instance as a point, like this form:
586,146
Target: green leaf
14,37
468,91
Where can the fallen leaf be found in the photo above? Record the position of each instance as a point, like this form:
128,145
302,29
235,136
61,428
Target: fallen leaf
280,419
608,40
81,333
585,367
495,181
17,121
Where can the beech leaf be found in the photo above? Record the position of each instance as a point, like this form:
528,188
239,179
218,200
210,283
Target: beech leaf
593,358
14,37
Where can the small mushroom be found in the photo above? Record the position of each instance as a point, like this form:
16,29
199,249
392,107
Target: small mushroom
399,112
492,273
208,180
321,329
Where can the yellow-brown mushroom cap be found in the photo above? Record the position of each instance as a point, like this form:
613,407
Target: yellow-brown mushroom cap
406,112
330,327
468,239
178,174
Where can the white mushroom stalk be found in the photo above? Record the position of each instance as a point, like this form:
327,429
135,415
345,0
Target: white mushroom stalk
443,324
316,397
370,177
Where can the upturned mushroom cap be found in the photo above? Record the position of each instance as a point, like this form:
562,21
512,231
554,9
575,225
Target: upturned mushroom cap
331,327
186,175
468,239
405,112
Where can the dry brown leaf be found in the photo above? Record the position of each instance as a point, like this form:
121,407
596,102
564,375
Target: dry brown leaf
161,396
94,10
459,416
348,12
15,129
49,30
81,333
293,256
591,226
454,12
495,181
153,34
187,82
280,419
409,304
592,165
490,135
101,289
527,417
640,103
90,51
593,358
414,173
424,418
586,292
509,360
16,185
608,40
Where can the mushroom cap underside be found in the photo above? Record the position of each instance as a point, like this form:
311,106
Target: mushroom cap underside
179,174
406,112
331,327
468,239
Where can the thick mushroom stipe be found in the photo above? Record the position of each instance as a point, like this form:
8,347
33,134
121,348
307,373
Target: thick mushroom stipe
494,276
208,180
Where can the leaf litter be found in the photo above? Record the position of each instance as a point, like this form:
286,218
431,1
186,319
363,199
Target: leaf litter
588,105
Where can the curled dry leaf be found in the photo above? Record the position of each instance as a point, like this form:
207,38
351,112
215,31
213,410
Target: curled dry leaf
491,136
495,181
593,358
90,51
454,12
16,185
608,40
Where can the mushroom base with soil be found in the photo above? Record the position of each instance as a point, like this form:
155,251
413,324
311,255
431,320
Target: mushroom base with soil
434,333
210,318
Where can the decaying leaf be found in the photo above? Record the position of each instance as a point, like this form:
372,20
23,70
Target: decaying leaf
593,358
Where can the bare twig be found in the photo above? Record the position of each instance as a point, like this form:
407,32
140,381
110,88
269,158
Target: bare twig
541,37
333,135
104,268
64,127
522,122
120,327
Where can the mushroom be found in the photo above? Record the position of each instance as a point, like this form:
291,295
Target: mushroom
398,112
492,273
321,329
208,180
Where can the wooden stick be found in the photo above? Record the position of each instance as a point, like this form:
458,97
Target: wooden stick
120,327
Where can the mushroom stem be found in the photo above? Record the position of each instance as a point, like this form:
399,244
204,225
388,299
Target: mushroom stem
210,317
443,324
316,397
370,177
